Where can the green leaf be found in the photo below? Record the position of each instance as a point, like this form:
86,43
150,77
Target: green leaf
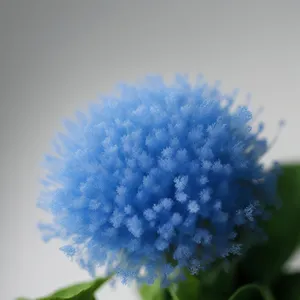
252,292
219,285
81,291
187,289
208,285
264,262
172,292
287,287
152,292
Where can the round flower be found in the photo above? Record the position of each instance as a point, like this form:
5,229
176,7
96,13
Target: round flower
156,179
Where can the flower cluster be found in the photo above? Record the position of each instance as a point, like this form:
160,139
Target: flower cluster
156,179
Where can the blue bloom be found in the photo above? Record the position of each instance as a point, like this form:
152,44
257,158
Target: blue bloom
157,179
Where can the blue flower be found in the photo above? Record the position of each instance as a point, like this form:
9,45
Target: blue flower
157,179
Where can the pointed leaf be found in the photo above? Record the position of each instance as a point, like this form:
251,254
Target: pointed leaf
81,291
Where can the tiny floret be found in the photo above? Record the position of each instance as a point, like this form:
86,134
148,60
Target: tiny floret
156,179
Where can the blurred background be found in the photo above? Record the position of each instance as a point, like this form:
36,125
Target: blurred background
57,56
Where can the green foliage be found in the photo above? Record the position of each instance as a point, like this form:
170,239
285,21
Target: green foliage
152,292
252,292
187,289
264,262
81,291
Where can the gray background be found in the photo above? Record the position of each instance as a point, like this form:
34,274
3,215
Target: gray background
57,56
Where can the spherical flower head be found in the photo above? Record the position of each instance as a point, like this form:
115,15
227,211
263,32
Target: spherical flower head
157,179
